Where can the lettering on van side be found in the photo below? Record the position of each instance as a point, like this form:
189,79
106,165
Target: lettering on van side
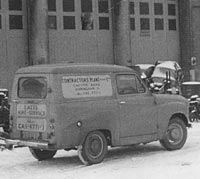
86,86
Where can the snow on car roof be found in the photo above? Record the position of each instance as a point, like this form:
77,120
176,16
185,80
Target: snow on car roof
169,64
144,66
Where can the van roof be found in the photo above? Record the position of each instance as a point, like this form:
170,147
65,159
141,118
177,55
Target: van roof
60,68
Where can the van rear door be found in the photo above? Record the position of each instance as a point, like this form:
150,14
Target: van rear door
29,116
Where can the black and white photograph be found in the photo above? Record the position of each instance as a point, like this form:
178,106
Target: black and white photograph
93,89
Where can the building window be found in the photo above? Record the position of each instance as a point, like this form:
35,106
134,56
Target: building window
172,24
144,24
131,8
69,22
86,6
87,21
159,24
52,22
15,22
51,5
158,8
104,23
103,6
132,23
144,8
68,6
15,5
171,10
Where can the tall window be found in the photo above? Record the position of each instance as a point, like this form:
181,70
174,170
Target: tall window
103,10
158,8
51,5
15,22
87,15
15,19
86,6
69,18
144,24
172,17
144,8
69,22
132,15
52,16
159,20
144,19
68,6
15,5
0,17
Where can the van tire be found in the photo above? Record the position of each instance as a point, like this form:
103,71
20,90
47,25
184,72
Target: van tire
93,149
40,154
176,134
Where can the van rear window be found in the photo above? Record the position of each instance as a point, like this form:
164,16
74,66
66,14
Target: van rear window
32,87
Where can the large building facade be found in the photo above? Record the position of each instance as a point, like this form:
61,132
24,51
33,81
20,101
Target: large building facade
124,32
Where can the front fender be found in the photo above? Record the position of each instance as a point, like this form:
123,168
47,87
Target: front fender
165,113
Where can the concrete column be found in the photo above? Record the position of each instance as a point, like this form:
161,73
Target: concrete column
121,33
185,37
38,35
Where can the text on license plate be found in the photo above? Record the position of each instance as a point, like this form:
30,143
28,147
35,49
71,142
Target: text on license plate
34,125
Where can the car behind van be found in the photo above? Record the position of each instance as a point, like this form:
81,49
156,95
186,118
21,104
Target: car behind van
88,107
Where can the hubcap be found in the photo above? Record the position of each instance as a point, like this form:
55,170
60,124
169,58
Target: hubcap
175,134
95,146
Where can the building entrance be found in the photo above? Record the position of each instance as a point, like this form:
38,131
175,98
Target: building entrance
154,30
80,31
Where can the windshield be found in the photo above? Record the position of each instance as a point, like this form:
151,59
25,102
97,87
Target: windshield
32,87
161,72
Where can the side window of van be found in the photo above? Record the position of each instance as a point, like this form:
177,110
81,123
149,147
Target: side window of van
129,84
126,84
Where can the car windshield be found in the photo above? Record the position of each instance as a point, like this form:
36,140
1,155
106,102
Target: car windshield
161,73
32,87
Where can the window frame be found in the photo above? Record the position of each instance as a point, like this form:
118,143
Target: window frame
34,77
136,79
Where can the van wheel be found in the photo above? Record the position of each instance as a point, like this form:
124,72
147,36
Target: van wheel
40,154
93,149
175,135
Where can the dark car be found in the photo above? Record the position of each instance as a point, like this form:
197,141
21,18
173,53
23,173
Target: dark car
190,88
4,109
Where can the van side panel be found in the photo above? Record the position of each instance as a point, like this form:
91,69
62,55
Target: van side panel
93,113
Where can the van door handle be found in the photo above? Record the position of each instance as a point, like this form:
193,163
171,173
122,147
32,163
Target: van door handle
122,102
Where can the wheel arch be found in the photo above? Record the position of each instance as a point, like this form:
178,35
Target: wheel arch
105,132
107,135
182,117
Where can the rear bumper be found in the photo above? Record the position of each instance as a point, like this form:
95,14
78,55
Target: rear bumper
20,143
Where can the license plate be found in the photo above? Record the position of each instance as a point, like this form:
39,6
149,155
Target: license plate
31,125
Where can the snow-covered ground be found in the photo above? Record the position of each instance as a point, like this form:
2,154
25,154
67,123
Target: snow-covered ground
149,161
